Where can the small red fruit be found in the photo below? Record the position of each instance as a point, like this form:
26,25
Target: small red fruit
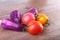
26,18
35,27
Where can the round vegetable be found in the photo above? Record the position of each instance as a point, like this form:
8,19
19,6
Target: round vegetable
42,18
35,27
8,24
26,18
32,10
15,16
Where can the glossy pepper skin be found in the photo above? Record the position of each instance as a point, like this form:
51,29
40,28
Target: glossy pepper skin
42,18
32,10
8,24
15,16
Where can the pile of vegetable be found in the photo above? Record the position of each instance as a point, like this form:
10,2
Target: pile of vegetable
30,21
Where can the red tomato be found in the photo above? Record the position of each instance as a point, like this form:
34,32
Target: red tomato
26,18
35,27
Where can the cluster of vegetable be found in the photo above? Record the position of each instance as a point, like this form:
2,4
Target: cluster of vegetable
31,20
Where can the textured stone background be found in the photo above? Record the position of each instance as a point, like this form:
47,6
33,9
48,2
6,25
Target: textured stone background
50,7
